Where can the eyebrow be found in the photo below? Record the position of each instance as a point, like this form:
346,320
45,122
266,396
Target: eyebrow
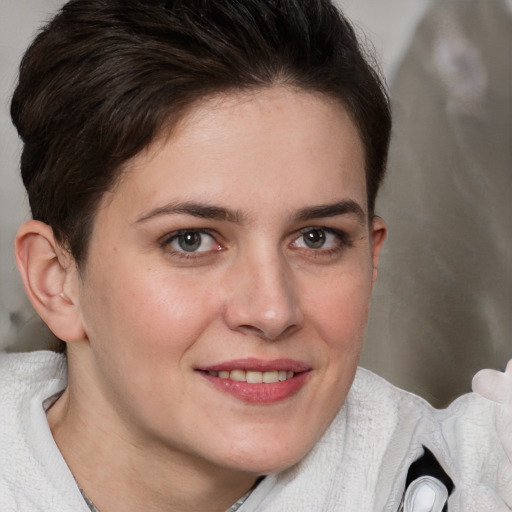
347,206
199,210
204,211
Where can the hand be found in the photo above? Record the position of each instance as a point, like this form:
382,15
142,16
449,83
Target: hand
497,387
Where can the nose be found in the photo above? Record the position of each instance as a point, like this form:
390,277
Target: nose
262,298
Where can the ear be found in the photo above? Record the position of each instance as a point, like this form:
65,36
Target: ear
51,279
378,235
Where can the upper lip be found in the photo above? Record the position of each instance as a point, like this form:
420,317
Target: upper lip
258,365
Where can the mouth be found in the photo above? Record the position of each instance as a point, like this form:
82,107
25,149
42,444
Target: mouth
256,381
254,377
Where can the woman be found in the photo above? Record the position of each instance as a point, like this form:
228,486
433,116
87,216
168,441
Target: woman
202,177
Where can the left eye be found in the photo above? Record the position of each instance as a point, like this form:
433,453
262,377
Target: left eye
317,238
192,241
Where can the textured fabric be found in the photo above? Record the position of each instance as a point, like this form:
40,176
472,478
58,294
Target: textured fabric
360,464
33,474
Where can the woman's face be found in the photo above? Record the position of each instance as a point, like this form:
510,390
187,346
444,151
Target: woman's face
235,251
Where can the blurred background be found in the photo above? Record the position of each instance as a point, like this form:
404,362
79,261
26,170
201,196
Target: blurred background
442,307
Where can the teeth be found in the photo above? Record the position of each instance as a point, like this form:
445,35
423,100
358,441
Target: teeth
270,377
253,377
238,375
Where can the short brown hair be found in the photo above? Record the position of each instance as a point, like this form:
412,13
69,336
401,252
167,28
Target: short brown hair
104,76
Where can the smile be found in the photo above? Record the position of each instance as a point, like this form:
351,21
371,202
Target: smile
254,377
256,381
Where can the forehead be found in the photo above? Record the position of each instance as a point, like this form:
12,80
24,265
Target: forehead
276,144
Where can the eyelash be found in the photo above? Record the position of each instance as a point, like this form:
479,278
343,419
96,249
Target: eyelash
168,239
344,242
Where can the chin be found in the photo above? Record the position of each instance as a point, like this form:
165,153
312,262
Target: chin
271,454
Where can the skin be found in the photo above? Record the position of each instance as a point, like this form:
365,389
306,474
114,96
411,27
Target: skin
139,426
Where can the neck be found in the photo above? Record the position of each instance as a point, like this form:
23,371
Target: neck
121,473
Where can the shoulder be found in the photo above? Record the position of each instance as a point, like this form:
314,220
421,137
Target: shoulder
30,368
391,413
23,372
33,474
27,379
369,389
468,439
20,361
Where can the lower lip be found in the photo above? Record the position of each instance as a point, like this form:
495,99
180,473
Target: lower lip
259,393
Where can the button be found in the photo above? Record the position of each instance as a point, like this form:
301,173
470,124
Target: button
425,494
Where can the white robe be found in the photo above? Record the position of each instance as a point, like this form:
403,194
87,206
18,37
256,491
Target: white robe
359,465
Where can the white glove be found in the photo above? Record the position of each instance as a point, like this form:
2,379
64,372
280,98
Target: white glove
497,387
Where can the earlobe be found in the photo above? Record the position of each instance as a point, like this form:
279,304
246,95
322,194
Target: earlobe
378,236
50,278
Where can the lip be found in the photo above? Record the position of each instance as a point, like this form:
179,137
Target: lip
259,393
258,365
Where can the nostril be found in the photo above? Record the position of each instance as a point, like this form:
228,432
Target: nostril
251,330
269,335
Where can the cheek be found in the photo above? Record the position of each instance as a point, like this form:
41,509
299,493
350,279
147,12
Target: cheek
145,311
141,331
340,309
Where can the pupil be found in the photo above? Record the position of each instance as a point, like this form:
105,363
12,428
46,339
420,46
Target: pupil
189,241
314,239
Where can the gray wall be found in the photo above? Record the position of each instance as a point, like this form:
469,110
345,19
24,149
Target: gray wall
19,20
442,305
